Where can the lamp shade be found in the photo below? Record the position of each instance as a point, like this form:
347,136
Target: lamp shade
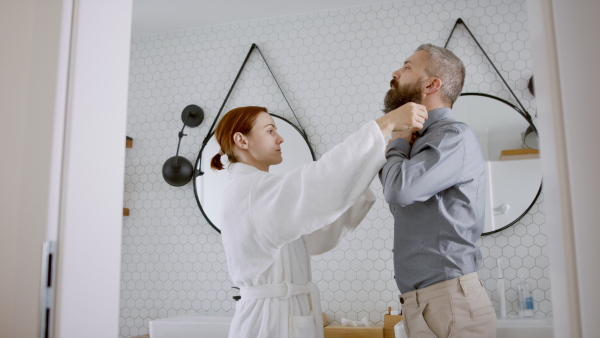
530,138
192,115
177,171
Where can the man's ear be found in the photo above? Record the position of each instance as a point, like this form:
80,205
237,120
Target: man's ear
434,85
240,140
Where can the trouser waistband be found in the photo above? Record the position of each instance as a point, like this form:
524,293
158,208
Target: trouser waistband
466,284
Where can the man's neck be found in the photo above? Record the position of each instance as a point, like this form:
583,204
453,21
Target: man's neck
433,107
431,103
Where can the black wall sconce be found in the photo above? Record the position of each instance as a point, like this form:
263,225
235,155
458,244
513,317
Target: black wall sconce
178,170
531,86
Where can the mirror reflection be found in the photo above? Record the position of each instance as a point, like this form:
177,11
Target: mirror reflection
210,185
513,170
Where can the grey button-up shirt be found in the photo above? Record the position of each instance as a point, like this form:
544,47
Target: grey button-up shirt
436,192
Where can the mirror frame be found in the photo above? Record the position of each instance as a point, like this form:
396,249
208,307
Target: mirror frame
527,118
199,159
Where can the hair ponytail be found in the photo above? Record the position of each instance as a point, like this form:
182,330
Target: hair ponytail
216,163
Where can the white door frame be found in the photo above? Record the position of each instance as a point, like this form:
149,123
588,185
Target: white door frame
565,50
90,228
557,198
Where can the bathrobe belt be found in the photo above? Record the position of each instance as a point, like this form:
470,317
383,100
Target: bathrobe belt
286,290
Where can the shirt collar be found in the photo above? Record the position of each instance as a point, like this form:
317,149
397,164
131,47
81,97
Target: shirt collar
434,116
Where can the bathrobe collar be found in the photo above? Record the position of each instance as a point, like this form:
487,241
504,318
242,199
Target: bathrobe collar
239,169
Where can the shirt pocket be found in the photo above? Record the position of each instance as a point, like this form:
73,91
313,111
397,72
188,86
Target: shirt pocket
302,327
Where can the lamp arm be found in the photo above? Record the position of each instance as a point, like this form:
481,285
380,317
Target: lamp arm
181,135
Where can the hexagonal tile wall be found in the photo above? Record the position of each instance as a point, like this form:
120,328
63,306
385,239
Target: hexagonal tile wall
334,68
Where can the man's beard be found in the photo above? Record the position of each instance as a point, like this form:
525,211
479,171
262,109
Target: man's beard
399,95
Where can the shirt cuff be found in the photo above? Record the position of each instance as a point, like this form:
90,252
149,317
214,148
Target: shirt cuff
399,144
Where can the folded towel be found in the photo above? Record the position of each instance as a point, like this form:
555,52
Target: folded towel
362,322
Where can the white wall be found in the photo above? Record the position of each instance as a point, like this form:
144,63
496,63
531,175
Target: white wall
13,93
29,81
578,47
44,189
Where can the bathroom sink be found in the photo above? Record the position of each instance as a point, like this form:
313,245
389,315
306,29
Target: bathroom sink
525,328
191,326
510,328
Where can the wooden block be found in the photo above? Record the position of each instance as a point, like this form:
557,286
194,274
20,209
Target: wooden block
339,331
128,142
519,154
324,319
389,321
125,212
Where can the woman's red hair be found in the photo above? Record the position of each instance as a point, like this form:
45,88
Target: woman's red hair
238,120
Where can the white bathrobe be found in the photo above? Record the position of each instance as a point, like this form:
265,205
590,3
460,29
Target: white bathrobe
271,223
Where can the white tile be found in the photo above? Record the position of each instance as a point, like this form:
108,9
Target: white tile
527,240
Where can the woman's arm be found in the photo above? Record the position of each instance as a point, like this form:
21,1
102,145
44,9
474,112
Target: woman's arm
328,237
285,207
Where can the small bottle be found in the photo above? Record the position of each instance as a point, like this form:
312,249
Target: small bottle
501,291
524,298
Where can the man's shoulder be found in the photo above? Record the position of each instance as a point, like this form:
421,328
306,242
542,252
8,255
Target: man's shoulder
457,127
448,127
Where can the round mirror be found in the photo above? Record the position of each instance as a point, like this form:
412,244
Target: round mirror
209,184
513,171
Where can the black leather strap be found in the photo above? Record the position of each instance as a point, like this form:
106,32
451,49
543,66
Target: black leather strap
252,48
460,21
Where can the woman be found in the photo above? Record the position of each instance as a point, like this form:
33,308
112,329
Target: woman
272,223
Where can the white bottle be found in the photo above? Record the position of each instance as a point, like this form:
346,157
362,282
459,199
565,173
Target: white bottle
501,291
524,298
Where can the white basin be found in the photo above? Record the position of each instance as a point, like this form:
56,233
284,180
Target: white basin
525,328
509,328
191,326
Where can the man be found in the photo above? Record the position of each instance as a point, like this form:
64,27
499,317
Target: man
434,182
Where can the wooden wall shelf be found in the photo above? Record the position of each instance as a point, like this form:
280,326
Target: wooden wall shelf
128,144
519,154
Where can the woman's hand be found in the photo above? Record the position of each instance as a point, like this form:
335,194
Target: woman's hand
409,116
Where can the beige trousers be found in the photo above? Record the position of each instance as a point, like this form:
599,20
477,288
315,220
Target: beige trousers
458,307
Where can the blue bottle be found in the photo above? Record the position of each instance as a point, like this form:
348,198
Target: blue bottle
524,298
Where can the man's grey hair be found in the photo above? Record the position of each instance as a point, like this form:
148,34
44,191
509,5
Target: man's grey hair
443,64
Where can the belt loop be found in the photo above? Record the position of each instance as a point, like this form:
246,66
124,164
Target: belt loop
462,286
